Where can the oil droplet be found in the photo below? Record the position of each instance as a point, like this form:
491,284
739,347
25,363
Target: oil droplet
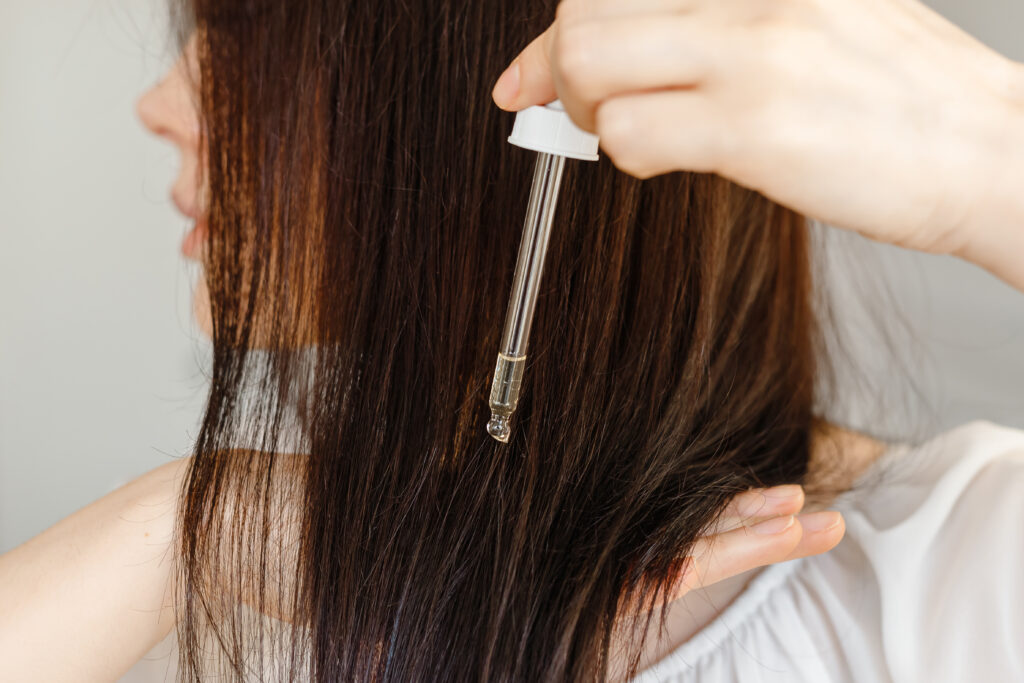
498,428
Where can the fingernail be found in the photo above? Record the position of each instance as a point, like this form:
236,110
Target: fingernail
820,521
783,492
762,502
507,88
773,526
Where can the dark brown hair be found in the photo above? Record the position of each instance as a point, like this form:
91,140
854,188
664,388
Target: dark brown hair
365,214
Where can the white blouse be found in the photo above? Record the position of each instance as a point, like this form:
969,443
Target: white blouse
927,585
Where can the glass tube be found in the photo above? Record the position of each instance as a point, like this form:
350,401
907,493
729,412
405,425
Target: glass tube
508,371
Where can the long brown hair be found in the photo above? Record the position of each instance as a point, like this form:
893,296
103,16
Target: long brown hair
364,218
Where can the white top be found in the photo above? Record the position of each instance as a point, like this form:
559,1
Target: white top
927,585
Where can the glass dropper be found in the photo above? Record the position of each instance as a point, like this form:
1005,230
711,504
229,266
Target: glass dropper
549,131
522,303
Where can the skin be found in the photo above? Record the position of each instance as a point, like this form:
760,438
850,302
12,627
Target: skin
878,116
169,110
87,598
892,81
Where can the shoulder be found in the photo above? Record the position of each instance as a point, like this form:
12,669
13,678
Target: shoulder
937,526
967,447
926,586
929,480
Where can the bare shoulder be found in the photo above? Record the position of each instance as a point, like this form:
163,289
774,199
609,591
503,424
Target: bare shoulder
165,480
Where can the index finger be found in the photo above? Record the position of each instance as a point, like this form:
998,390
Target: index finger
755,505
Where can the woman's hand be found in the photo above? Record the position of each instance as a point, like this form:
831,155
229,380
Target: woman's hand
873,115
760,527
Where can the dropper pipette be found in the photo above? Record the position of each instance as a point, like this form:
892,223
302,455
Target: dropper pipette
549,131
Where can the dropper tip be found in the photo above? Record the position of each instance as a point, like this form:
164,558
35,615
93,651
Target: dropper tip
498,428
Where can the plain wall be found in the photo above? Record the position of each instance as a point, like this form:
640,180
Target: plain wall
100,364
99,379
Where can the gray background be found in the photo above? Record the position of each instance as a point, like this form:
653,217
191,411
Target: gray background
101,367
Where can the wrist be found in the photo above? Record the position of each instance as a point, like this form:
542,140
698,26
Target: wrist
990,232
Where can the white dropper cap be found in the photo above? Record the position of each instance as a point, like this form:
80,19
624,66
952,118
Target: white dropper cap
547,128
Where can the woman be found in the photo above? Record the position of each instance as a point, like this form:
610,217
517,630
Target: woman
354,201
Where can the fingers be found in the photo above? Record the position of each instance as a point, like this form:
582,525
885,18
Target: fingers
822,531
644,134
597,49
654,133
588,61
528,80
759,527
750,507
716,558
597,60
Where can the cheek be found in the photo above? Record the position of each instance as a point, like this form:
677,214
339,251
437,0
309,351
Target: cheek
201,306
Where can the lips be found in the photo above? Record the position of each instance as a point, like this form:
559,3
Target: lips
191,244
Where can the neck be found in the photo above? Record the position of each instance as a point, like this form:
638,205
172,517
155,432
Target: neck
839,457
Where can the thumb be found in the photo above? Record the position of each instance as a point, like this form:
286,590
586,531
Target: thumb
528,80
